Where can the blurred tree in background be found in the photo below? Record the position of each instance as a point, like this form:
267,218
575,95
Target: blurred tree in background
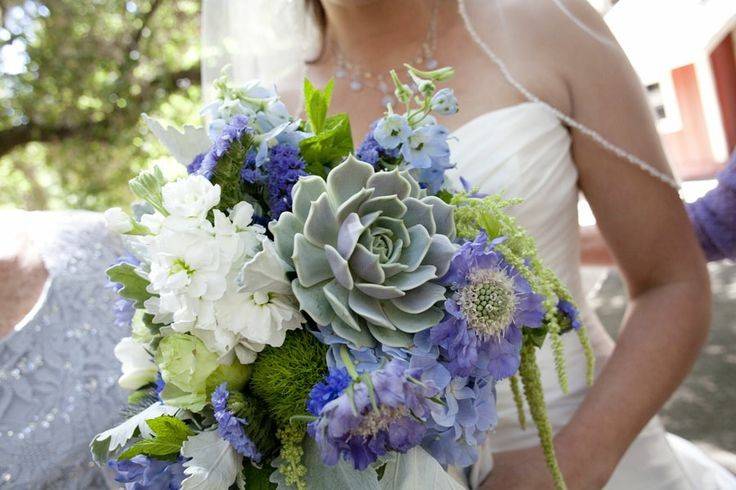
74,77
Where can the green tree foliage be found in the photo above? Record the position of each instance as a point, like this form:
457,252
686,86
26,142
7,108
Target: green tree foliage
74,79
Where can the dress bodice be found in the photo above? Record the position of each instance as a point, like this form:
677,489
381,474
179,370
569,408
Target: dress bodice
58,376
523,151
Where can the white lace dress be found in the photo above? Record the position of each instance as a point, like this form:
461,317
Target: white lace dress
58,376
523,151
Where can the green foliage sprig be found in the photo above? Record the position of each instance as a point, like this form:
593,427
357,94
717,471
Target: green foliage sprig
292,467
169,435
332,140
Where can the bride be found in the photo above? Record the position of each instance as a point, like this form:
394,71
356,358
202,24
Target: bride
550,107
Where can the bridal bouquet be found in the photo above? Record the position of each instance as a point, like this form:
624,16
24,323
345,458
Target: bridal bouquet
305,315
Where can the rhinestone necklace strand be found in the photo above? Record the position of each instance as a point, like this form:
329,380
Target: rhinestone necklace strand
360,78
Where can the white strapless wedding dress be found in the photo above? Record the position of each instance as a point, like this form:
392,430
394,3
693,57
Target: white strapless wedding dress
523,151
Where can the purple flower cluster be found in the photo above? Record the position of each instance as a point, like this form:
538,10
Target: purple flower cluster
326,391
368,421
714,216
230,427
423,149
491,302
206,163
144,473
284,169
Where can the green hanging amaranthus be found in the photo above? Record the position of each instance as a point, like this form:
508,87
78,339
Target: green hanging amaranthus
519,250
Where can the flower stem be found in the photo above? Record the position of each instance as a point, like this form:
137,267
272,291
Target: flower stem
531,378
345,356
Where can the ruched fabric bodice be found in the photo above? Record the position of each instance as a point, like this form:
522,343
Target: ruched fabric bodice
523,151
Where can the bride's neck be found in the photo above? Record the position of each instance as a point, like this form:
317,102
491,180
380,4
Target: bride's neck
367,30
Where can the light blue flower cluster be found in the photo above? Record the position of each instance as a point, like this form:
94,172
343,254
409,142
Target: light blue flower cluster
414,140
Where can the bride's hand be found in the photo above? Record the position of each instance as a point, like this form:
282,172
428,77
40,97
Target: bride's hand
526,468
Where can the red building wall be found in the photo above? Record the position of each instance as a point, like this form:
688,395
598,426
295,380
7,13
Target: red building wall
723,61
689,149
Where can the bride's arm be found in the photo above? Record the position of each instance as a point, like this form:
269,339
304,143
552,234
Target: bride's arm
650,236
648,231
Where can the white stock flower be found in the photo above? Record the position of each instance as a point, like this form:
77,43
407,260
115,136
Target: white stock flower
242,215
190,197
138,367
117,221
264,309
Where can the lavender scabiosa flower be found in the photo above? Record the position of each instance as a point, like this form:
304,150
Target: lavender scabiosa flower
232,131
230,427
366,422
144,473
324,392
491,302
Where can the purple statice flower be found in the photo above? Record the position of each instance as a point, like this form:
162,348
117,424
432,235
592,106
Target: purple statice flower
571,312
123,309
285,166
325,391
365,423
714,216
232,131
491,302
144,473
230,427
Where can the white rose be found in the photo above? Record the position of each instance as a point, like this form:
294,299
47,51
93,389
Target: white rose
138,367
190,197
117,221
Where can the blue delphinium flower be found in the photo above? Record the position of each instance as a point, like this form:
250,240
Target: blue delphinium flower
392,131
371,151
444,102
230,427
232,131
196,164
360,427
143,473
571,312
324,392
490,303
425,144
433,178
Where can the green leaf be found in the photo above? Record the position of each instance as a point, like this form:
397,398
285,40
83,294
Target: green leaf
134,286
316,103
322,151
535,335
257,478
169,435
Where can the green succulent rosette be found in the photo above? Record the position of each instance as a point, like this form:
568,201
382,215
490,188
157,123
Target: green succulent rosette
367,247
